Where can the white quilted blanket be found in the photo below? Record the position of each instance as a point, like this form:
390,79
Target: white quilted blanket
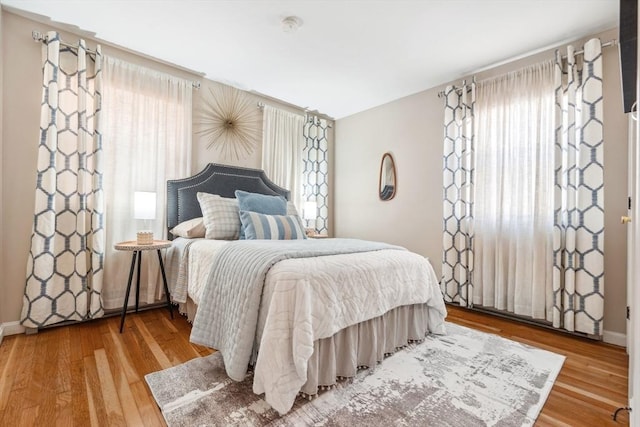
307,299
228,314
190,265
312,298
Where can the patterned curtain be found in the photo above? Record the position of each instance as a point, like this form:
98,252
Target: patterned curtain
315,157
458,178
578,241
65,265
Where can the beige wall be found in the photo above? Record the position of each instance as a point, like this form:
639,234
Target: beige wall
411,129
21,89
21,86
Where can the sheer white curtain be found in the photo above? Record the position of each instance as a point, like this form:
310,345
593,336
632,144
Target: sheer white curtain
514,197
147,140
282,144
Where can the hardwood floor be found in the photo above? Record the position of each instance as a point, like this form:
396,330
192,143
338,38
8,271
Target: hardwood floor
593,379
90,374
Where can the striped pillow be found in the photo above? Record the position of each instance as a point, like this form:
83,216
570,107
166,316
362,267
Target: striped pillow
271,227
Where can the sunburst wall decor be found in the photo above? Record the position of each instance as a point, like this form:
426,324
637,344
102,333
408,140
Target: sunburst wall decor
229,121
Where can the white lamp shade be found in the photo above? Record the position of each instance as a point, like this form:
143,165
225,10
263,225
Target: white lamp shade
310,210
144,205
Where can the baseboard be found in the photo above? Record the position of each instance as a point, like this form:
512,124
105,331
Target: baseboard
615,338
12,328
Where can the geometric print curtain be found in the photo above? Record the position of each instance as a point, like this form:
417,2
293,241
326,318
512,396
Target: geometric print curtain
315,157
578,191
578,241
65,264
458,175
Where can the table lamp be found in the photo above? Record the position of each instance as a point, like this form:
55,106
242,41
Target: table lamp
144,207
310,213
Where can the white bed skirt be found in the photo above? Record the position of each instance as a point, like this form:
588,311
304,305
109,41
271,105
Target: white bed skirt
362,345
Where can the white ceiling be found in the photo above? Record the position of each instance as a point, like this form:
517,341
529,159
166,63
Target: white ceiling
348,56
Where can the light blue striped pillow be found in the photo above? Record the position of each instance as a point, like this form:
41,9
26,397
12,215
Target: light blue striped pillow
271,227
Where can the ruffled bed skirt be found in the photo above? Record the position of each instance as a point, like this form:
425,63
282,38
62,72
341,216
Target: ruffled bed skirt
362,345
188,309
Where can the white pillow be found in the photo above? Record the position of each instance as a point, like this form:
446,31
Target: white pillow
221,216
190,229
291,209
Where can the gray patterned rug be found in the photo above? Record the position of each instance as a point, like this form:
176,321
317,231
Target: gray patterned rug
466,378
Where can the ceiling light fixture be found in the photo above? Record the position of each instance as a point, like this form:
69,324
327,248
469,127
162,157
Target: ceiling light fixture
290,24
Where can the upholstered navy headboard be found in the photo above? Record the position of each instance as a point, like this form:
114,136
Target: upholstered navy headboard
182,202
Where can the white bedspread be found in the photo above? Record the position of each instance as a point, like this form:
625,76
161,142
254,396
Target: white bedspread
308,299
189,265
201,253
227,318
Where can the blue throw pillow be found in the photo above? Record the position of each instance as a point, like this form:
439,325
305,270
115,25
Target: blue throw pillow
260,203
271,227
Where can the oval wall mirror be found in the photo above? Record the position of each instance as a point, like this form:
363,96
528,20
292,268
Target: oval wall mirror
387,184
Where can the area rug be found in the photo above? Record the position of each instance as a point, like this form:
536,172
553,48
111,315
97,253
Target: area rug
466,378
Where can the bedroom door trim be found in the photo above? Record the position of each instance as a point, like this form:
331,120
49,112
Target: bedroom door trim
633,269
630,226
633,279
633,320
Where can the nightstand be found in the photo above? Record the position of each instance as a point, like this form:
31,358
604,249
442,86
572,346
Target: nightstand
137,250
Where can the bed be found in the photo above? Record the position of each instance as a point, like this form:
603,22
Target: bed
301,313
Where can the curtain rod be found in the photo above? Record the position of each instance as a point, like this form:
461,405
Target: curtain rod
40,37
307,113
261,106
458,89
612,42
294,106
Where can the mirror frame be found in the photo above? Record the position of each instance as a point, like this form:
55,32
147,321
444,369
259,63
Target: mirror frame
395,177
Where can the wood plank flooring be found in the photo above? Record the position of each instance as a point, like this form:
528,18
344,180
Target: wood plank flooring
91,375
